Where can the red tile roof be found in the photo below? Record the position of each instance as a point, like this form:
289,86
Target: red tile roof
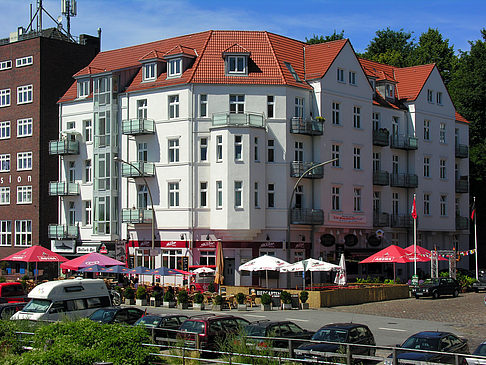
378,70
152,55
319,57
236,48
460,118
411,80
177,50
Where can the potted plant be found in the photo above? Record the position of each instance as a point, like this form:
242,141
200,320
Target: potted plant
141,296
266,301
320,119
240,299
286,299
211,288
183,299
304,296
129,296
217,303
169,299
198,302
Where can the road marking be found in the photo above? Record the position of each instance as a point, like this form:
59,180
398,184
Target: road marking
392,329
254,315
297,320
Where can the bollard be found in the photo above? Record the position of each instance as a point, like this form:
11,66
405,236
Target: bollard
349,357
394,354
291,349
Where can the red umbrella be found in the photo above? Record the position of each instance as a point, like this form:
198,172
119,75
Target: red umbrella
423,255
90,259
391,254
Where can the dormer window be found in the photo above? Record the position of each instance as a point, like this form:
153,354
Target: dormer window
175,67
389,91
83,88
149,72
236,64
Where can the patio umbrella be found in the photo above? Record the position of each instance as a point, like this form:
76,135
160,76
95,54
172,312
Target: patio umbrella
219,278
423,255
341,278
391,254
140,270
92,268
309,265
89,259
117,269
163,271
264,263
203,270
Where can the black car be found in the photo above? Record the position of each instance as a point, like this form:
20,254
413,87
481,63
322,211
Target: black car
431,341
157,325
481,283
7,310
121,315
335,334
281,329
436,287
480,351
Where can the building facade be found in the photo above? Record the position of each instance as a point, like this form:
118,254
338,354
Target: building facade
188,141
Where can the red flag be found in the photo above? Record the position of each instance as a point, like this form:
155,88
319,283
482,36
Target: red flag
473,212
414,209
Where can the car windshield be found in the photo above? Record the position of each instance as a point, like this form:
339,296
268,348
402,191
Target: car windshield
331,334
422,343
253,330
149,321
37,306
103,315
481,350
431,281
193,326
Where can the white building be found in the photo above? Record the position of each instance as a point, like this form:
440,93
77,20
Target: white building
222,124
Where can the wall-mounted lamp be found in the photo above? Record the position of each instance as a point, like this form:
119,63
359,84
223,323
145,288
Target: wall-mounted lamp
182,236
207,237
268,237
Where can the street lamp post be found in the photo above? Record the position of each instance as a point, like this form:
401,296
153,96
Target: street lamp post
142,174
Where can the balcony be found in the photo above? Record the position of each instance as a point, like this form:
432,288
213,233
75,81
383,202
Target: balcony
62,231
401,221
310,127
137,216
381,137
64,147
462,223
63,188
462,186
462,151
298,168
404,180
138,126
381,178
240,119
307,216
148,169
381,219
403,142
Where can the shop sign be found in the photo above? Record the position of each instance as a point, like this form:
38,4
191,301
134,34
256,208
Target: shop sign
103,249
271,245
206,244
346,218
86,249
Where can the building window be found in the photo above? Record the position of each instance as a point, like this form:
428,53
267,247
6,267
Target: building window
357,158
5,65
236,64
173,106
395,126
219,148
23,233
172,259
87,212
292,71
426,204
72,214
426,130
376,121
175,67
299,197
203,194
335,154
142,151
270,106
336,198
426,166
174,150
439,98
5,162
88,130
299,151
24,61
430,96
24,127
443,205
442,169
256,195
238,148
299,108
442,133
256,155
395,238
71,125
238,194
335,113
203,149
24,94
207,258
142,196
24,194
389,91
271,150
142,109
173,194
5,233
203,105
340,75
83,88
219,194
5,130
87,171
24,161
149,72
395,203
376,161
72,172
4,97
4,195
237,104
395,164
352,77
271,195
376,202
357,117
357,199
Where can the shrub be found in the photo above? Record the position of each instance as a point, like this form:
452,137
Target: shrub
8,339
304,296
182,297
240,298
285,297
266,299
218,300
169,296
198,298
141,292
211,288
2,279
129,293
320,119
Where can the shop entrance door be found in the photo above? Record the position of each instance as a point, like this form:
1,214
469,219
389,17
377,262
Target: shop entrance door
229,271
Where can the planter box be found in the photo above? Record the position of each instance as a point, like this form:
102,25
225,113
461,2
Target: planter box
154,302
141,302
217,307
183,305
266,307
241,307
286,306
169,304
305,305
129,301
198,306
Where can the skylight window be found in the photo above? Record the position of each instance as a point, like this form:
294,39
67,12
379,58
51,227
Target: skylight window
292,71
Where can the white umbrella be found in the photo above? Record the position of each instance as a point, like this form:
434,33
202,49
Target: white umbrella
341,278
309,265
203,270
264,263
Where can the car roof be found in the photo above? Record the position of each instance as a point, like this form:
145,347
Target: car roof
164,315
432,334
15,304
265,323
210,317
346,326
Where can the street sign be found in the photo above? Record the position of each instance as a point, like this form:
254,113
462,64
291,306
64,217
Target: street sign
415,280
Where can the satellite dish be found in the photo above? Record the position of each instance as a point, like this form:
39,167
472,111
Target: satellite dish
379,233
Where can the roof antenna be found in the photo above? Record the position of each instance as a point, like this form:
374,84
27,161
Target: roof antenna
69,8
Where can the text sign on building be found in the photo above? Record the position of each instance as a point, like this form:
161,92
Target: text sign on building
347,218
85,249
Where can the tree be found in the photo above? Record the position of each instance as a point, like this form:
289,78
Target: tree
320,39
392,47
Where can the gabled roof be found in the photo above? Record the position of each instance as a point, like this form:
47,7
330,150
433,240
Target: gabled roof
153,54
460,118
411,80
181,50
379,71
319,57
236,48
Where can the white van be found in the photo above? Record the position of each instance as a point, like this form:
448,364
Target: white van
55,300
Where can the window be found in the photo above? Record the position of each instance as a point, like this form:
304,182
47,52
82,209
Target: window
173,106
24,161
357,117
430,96
389,91
236,64
23,233
5,162
24,61
72,214
5,65
256,195
175,67
271,195
24,194
395,238
442,169
71,125
219,194
426,130
335,154
336,198
87,171
238,194
357,158
426,166
142,109
203,194
299,197
87,212
299,108
4,97
376,202
238,148
352,77
173,150
395,164
203,105
376,161
271,150
142,196
219,148
173,194
256,156
172,259
439,98
5,130
237,104
149,72
442,133
72,172
376,121
335,114
292,72
24,127
142,151
395,126
443,205
207,258
270,106
357,199
299,151
4,195
340,75
5,233
24,94
203,149
426,204
395,203
83,88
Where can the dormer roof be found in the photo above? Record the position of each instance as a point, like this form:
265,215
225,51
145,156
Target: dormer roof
180,51
236,49
152,55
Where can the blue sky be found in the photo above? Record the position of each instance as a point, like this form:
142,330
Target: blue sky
129,22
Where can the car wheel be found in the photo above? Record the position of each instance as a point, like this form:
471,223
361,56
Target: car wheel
456,293
435,294
416,296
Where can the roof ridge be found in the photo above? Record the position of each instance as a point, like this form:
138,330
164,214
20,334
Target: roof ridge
200,57
283,36
275,57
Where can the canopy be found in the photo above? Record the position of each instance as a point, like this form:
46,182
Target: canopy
203,270
35,254
89,259
390,254
309,265
140,270
118,269
264,263
423,254
93,268
163,271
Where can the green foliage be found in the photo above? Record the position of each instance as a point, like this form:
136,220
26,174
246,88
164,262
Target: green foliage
218,300
266,299
320,39
9,343
211,288
118,289
169,296
368,280
465,281
2,279
304,296
391,281
285,297
182,297
141,292
392,47
129,293
198,298
240,298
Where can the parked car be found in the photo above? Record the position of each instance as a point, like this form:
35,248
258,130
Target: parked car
432,341
281,329
7,310
159,324
480,351
117,315
12,293
436,287
481,283
336,334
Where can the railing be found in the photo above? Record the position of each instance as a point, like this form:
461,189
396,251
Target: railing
64,147
62,188
462,223
136,216
138,126
381,137
381,178
462,186
401,221
298,168
462,151
62,231
307,216
106,140
310,127
403,142
404,180
238,119
381,219
148,169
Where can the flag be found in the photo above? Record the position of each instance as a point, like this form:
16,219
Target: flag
414,209
473,209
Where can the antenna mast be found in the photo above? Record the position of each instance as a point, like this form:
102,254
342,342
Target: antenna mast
69,8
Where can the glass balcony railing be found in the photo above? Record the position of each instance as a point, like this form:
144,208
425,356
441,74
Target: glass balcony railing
240,119
381,219
138,126
298,168
63,188
62,231
147,168
462,151
381,137
137,216
462,223
462,186
381,178
307,216
404,180
401,221
310,127
64,147
403,142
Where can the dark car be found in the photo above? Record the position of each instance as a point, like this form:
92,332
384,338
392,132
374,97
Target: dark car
117,315
431,341
480,351
436,287
335,334
158,326
211,329
481,283
12,292
7,310
281,329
